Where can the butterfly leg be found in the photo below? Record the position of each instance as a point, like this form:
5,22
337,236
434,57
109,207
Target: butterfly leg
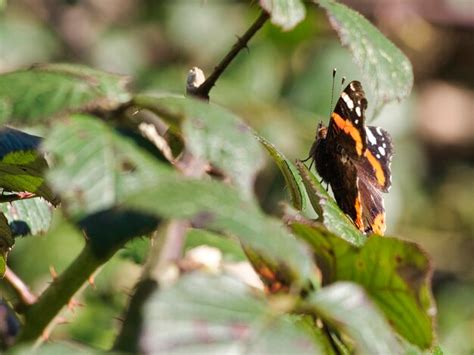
308,158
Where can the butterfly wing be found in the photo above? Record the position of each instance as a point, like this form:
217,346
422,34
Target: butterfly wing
343,178
371,201
378,157
355,161
346,127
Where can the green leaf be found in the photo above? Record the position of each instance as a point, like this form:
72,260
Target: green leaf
48,90
284,13
136,250
218,207
395,273
329,212
216,315
385,67
56,348
6,243
346,306
21,165
31,216
216,135
95,166
289,172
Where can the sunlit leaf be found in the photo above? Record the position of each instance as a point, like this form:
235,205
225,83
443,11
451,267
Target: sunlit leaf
326,207
215,206
218,315
47,90
289,172
22,166
28,217
284,13
385,67
216,135
395,273
95,166
347,307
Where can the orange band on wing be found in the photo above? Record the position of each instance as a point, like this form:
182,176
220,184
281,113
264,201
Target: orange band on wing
378,226
379,173
349,128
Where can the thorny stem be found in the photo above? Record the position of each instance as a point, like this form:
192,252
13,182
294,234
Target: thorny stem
203,90
163,254
169,249
42,313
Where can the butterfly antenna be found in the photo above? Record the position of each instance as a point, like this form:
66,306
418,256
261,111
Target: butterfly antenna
343,80
332,90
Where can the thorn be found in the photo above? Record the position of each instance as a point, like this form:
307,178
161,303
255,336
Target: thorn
62,321
53,272
45,335
72,304
25,194
242,44
91,281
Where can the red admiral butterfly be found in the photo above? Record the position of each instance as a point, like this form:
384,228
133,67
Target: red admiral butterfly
355,160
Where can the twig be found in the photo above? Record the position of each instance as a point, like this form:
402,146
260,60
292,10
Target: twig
17,196
20,288
203,90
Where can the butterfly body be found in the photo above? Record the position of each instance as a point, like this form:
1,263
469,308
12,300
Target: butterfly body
355,160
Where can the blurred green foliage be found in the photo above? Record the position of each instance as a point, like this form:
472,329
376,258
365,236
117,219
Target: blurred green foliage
282,87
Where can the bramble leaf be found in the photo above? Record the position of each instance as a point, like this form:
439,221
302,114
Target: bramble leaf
384,66
22,166
331,215
284,13
395,273
289,172
46,90
216,135
347,307
216,315
28,217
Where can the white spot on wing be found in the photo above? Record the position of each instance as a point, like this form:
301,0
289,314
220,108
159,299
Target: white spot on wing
378,156
381,150
358,112
370,136
379,131
352,86
347,100
356,121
